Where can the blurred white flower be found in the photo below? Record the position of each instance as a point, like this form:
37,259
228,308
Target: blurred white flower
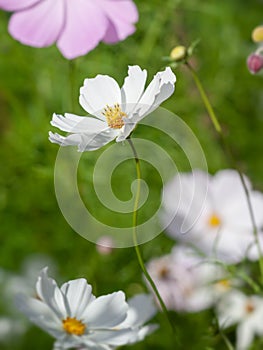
11,329
211,212
117,110
77,319
187,282
246,312
12,325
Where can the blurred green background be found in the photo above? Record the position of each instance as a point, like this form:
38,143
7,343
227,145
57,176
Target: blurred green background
36,82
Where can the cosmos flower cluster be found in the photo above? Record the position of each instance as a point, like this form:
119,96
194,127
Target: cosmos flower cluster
210,220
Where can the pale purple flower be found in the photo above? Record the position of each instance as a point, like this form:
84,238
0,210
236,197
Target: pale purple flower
76,26
187,282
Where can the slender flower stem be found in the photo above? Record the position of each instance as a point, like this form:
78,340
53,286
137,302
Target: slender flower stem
227,149
205,99
135,239
72,71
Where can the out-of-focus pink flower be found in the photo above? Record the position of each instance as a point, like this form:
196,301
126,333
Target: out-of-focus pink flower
255,63
105,245
76,26
186,281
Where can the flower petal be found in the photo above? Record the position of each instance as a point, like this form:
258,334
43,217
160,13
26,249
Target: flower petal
77,124
85,26
99,92
16,5
106,311
141,309
85,141
50,294
70,140
160,88
121,16
34,27
245,335
125,130
77,296
40,314
133,86
115,337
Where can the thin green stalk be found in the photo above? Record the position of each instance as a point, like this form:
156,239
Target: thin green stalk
72,83
227,150
135,239
205,99
226,340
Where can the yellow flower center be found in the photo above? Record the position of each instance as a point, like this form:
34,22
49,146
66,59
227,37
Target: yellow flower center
214,220
73,326
114,116
223,284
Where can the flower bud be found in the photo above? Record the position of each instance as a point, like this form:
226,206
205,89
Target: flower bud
178,53
257,34
254,63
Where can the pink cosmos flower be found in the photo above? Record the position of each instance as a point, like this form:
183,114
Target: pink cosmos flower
76,26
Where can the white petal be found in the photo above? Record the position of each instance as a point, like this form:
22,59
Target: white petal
160,88
40,314
50,294
85,142
77,295
76,124
245,335
106,311
141,309
133,86
99,92
144,331
113,337
70,140
231,309
125,130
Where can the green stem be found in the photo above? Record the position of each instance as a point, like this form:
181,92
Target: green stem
226,340
205,99
228,152
135,239
72,83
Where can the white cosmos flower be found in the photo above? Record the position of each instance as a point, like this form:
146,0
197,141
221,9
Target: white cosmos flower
246,312
116,110
186,281
211,212
76,318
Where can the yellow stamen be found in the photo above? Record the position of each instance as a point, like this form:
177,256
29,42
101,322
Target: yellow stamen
114,116
223,284
73,326
214,220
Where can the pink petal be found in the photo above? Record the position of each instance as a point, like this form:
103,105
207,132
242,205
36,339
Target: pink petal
15,5
85,27
121,15
39,25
